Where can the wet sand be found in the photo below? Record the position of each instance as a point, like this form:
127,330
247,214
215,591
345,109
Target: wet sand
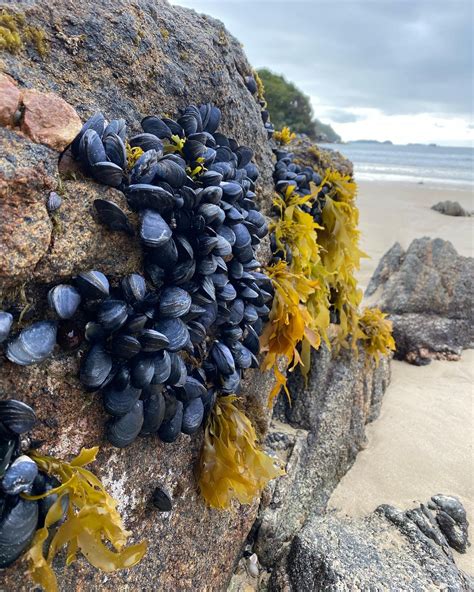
423,441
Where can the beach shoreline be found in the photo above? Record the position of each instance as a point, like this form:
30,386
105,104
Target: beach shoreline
422,442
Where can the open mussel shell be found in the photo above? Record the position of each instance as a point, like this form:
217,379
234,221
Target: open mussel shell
178,372
18,523
92,285
171,428
6,321
95,368
118,402
123,431
19,476
34,344
16,416
112,216
64,300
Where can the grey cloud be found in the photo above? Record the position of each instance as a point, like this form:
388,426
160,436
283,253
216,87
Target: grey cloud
400,56
342,116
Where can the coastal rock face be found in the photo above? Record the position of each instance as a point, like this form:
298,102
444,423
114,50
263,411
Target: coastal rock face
450,208
147,57
427,292
319,435
389,549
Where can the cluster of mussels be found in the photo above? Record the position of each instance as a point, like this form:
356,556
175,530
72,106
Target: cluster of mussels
19,517
252,87
163,346
288,175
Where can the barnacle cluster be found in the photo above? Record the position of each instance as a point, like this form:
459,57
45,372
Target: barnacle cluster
314,237
42,496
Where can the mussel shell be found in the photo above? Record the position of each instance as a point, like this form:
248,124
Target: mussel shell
112,314
122,379
154,125
116,126
193,415
154,231
92,284
147,142
222,357
161,500
17,526
191,389
144,170
125,346
143,195
153,412
54,202
230,384
153,340
170,429
123,431
95,367
17,416
6,321
19,476
166,255
34,344
182,272
176,331
162,367
143,370
251,340
178,372
96,123
174,302
243,357
115,149
64,300
44,483
133,287
107,173
112,216
119,403
236,311
170,172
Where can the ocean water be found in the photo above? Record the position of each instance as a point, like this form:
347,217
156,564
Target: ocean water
433,165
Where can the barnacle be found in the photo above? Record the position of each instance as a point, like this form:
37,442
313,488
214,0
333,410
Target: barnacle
92,518
285,136
376,333
232,465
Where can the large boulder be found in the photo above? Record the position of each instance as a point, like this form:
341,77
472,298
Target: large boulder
319,435
450,208
128,59
427,291
388,550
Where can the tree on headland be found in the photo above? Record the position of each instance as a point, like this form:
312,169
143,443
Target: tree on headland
289,106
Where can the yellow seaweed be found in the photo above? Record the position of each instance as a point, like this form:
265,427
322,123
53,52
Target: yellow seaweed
284,136
92,518
232,465
376,333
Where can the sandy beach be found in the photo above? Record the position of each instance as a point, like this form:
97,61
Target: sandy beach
422,443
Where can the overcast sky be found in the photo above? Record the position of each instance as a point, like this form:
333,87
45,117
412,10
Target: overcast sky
379,69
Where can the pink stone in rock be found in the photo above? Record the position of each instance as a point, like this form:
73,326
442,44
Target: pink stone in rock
49,120
10,96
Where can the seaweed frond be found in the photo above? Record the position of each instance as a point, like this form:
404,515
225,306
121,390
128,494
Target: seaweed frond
285,136
133,154
232,465
91,520
376,333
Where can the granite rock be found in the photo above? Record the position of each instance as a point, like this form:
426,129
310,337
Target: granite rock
427,292
386,550
450,208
